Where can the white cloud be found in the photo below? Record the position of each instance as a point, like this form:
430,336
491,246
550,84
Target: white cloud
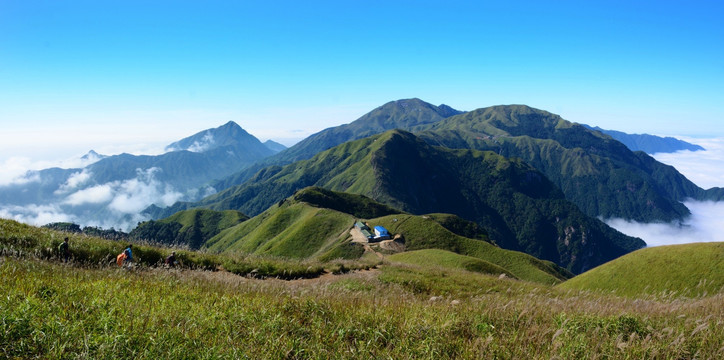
206,142
134,195
36,214
16,171
706,224
116,204
704,168
93,195
74,181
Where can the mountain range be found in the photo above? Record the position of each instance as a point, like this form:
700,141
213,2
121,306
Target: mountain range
403,114
599,174
113,190
532,181
650,144
516,204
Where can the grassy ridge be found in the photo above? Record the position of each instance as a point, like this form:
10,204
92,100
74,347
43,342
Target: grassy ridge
292,229
190,228
357,205
86,310
689,270
447,259
51,312
425,233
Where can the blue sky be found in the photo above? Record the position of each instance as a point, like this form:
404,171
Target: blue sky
134,75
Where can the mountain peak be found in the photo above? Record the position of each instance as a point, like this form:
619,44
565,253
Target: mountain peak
230,125
407,114
92,156
448,111
229,134
274,146
415,104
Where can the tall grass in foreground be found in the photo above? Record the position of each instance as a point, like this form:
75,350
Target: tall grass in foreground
56,311
24,241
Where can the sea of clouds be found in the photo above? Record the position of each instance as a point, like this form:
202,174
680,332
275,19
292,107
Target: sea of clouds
116,204
706,223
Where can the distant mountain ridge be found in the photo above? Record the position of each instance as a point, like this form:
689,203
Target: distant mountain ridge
517,205
626,185
113,190
274,146
405,114
599,174
650,144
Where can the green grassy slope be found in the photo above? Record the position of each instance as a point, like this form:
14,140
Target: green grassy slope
421,233
425,233
291,229
295,228
190,228
52,311
448,259
29,242
86,309
690,270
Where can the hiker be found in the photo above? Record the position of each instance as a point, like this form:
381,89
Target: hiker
125,257
64,250
129,255
171,259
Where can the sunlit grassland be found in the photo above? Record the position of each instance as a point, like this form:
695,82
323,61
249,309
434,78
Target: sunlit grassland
89,309
51,310
683,270
24,241
447,259
424,233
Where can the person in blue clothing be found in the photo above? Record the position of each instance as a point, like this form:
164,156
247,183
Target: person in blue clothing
129,254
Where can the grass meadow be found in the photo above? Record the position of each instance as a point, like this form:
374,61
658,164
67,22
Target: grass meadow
83,310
